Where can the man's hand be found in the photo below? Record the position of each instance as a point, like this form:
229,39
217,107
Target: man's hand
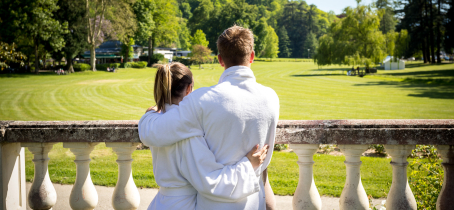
153,108
256,156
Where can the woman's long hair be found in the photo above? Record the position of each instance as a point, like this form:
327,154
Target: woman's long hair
170,82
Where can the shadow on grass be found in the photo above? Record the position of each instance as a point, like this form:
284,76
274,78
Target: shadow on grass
315,75
430,73
429,88
417,65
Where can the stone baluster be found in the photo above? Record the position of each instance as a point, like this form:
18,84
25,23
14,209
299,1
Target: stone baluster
126,195
306,194
353,195
42,193
400,195
83,194
446,195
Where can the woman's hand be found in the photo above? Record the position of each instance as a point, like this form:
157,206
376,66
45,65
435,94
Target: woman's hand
256,156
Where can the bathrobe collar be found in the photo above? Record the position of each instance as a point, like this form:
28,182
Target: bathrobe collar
237,73
170,106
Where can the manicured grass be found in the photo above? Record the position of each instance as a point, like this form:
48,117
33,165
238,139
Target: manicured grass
306,93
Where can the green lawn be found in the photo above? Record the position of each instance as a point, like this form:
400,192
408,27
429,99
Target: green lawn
305,92
329,171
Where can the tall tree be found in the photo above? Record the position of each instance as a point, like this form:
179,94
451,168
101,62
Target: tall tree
94,18
143,9
199,38
387,21
35,20
355,37
271,44
166,25
72,11
284,43
124,23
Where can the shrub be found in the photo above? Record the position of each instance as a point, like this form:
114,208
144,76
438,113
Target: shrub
155,58
426,180
379,148
107,65
279,147
185,61
81,67
140,64
126,65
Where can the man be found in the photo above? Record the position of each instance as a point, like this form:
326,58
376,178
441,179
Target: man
233,116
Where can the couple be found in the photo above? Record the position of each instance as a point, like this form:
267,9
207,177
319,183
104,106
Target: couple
201,141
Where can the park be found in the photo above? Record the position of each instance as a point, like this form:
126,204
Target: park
365,88
422,91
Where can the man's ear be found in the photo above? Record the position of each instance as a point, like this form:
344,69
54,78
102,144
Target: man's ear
220,60
251,59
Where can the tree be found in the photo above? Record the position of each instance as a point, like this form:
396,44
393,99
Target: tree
127,51
310,44
272,44
387,21
284,43
355,36
200,54
124,24
143,9
184,37
166,25
34,20
199,38
8,54
449,26
73,12
94,19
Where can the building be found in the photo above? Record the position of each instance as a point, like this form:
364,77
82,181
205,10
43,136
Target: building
110,52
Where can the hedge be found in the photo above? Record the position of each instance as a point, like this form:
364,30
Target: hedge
81,67
140,64
107,65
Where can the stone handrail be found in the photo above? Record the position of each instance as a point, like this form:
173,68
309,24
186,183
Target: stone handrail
304,137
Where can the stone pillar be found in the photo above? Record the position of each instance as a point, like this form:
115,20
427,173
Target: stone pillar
306,195
83,195
353,195
42,193
400,195
446,196
126,195
12,173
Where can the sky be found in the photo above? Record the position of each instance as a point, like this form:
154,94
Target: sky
336,5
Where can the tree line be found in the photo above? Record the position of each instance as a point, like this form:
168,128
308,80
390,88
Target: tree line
366,34
66,28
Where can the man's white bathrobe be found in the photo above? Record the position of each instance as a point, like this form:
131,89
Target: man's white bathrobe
187,167
233,116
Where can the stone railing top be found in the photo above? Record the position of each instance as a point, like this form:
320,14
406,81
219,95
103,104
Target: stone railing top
438,132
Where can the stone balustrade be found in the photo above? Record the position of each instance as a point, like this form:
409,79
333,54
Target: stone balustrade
304,137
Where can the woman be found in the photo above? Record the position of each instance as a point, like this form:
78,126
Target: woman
188,167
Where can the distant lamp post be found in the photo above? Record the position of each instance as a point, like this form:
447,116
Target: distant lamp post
308,52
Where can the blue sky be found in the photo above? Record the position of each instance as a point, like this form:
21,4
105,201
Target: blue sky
336,5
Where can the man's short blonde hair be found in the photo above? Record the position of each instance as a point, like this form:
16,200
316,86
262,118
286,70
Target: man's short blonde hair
235,45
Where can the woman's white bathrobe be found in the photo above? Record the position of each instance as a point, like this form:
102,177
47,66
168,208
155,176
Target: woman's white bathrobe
187,167
232,116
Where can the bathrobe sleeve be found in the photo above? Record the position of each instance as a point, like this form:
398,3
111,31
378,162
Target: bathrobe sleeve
179,123
213,180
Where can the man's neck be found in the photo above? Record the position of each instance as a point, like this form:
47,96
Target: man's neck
227,67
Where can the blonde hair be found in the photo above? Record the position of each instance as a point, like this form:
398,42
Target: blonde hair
170,82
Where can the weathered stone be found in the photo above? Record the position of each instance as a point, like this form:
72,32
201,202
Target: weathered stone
391,132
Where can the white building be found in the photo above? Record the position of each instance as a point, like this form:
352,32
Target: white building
390,64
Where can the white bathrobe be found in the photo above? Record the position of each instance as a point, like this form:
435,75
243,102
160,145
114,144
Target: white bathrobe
179,183
233,116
